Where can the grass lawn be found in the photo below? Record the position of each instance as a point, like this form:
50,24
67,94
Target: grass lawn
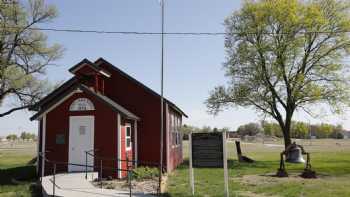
330,159
17,176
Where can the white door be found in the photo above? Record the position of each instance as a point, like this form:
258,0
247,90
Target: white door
81,139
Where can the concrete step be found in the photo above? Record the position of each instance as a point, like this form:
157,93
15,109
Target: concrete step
75,185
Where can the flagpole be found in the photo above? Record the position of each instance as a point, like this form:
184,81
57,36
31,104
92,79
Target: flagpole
161,98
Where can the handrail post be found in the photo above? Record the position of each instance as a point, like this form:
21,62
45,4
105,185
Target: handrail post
86,155
54,180
40,172
129,173
101,173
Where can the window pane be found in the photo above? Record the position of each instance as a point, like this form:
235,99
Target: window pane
60,139
128,142
82,130
128,131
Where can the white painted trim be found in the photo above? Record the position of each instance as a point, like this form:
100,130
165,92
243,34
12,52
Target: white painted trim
43,148
99,71
37,148
135,142
128,148
190,162
119,146
104,73
225,163
72,141
58,103
167,137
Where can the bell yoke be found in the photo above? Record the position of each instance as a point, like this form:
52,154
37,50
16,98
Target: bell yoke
294,154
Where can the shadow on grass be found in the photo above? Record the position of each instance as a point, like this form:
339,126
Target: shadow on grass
21,176
16,175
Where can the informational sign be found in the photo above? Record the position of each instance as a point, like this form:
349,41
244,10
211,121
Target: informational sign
207,150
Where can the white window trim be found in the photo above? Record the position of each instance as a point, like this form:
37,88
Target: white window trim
175,129
82,100
127,137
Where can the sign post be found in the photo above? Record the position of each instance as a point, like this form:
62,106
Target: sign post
191,166
208,150
225,163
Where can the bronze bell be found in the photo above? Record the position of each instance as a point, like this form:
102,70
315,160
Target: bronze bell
294,154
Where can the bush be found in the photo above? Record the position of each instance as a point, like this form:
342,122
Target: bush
142,173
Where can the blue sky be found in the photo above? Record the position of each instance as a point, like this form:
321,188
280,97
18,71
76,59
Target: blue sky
193,64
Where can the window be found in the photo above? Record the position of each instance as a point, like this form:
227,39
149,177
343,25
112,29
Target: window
175,129
82,130
60,139
81,104
128,137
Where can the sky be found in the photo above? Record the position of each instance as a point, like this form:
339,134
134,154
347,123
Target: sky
193,64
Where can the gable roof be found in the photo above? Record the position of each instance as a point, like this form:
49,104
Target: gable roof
101,60
72,81
86,62
68,93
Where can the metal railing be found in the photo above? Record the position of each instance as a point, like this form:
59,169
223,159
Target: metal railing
129,169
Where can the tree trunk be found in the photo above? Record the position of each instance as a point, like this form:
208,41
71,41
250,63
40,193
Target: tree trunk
286,137
286,129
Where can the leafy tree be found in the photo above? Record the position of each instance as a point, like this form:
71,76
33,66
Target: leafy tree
24,52
206,129
299,130
27,136
337,132
324,130
250,129
12,137
279,61
224,129
186,129
271,129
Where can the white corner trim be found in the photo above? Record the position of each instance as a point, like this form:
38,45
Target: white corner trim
167,132
43,148
38,148
119,146
135,142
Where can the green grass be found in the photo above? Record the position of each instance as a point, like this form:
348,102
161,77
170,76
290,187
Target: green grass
330,160
17,174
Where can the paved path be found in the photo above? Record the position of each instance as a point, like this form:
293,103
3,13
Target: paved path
75,185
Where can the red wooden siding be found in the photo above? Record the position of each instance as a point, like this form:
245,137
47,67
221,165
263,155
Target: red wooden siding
175,150
145,105
57,122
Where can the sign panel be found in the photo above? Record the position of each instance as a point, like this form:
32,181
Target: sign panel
207,149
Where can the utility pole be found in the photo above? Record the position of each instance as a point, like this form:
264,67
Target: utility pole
161,98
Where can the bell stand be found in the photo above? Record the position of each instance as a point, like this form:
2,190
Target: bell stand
307,173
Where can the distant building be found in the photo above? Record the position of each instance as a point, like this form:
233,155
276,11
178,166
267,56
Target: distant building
3,139
232,134
346,134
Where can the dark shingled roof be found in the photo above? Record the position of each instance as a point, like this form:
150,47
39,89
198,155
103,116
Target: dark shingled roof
73,82
115,106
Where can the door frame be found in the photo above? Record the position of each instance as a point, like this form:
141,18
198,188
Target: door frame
92,140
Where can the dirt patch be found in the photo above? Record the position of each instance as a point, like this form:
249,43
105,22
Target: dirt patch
258,180
250,194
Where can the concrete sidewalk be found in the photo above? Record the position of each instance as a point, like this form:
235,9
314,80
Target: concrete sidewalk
75,185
